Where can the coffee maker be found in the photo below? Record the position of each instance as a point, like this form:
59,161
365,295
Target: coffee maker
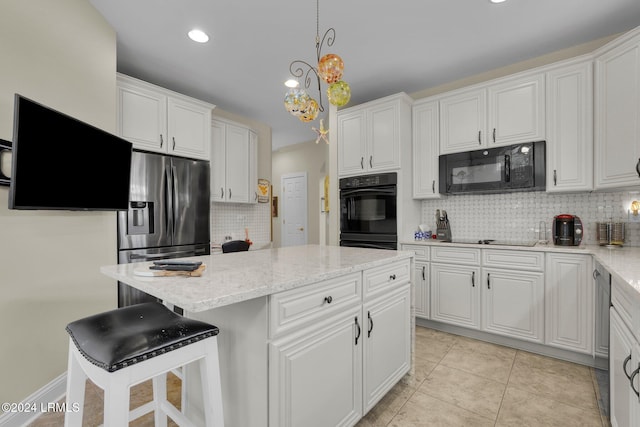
567,230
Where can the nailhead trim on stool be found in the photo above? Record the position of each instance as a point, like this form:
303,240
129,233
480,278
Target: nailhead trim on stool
122,347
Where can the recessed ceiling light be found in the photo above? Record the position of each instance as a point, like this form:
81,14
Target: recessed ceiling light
291,83
198,36
497,1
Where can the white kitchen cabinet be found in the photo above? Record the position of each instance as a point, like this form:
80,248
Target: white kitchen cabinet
421,279
602,279
617,113
156,119
505,111
316,374
569,302
386,337
337,347
372,136
463,121
233,163
570,126
425,150
513,303
624,354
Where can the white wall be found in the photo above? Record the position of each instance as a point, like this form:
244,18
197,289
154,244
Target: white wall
62,54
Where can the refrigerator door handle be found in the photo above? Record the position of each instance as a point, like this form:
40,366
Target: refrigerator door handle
168,197
174,197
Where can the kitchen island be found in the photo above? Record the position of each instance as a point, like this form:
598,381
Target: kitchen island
309,335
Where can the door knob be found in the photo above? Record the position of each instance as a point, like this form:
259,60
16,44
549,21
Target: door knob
301,229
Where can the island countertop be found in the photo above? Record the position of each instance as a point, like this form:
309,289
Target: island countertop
240,276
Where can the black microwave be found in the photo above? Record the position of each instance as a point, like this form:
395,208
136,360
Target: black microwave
519,167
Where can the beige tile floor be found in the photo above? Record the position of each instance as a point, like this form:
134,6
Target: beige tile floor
458,382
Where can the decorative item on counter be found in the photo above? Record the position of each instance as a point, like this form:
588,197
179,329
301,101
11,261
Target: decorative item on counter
246,237
610,234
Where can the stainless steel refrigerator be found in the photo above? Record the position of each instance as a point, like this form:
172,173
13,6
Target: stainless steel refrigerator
168,215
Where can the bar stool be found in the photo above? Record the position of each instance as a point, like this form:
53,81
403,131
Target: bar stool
123,347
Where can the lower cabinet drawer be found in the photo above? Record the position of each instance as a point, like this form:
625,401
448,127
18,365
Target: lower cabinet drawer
380,279
302,306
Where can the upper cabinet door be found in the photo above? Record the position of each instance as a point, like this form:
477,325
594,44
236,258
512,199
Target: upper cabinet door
352,145
463,122
218,160
384,140
238,162
142,116
617,112
189,129
570,127
516,111
425,150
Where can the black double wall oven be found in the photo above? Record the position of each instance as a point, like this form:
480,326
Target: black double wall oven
368,211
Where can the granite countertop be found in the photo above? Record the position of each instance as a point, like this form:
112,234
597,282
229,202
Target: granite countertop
240,276
622,262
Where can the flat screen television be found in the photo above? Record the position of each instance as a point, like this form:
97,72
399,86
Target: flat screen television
62,163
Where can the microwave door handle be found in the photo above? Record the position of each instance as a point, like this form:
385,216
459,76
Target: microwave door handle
507,168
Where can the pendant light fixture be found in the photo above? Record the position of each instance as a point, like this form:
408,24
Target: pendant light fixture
329,68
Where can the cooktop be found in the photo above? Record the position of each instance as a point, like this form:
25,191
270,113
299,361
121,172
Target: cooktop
493,242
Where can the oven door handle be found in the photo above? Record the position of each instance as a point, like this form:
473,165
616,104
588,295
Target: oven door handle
356,191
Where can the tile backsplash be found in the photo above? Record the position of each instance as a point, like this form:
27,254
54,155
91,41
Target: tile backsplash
516,216
230,219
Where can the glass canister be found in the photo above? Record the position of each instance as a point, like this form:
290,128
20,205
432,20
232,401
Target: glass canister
610,233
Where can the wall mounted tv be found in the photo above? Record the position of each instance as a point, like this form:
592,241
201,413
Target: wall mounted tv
59,162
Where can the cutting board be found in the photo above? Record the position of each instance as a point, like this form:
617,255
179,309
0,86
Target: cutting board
166,273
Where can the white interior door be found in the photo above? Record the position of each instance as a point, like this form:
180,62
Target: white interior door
294,209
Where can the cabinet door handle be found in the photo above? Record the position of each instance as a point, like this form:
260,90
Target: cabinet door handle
361,162
370,324
596,273
221,193
433,186
161,141
494,134
255,195
229,193
359,331
473,279
424,267
328,299
633,375
174,142
488,280
638,168
479,140
392,277
624,365
555,177
370,161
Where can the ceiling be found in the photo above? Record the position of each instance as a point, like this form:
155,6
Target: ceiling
387,46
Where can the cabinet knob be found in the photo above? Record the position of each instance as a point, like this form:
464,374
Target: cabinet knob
301,229
328,299
392,277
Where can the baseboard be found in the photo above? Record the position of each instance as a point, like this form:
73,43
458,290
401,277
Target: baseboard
38,403
545,350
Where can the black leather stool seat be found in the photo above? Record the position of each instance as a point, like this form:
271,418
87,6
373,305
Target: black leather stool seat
118,338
